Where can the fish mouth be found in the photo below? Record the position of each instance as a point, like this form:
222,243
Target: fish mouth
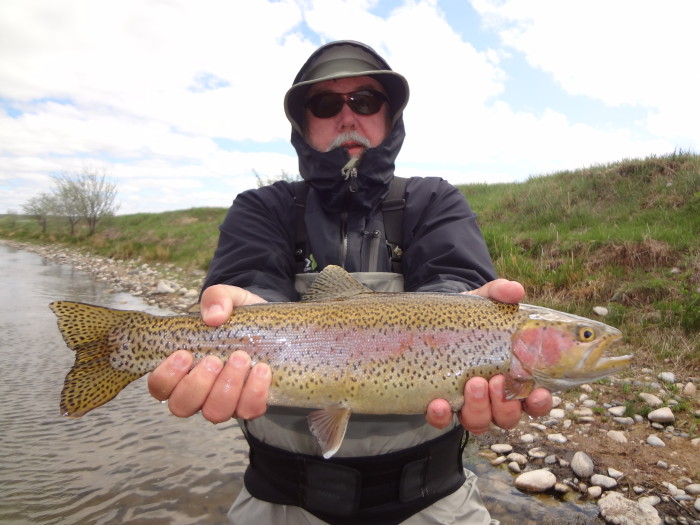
591,367
593,360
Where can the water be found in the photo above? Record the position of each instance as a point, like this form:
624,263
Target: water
131,461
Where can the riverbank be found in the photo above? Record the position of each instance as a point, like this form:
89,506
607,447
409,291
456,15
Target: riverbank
639,433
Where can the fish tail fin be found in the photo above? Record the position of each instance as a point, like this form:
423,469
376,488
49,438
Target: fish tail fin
93,380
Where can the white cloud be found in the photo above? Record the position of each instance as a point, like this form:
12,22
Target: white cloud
146,87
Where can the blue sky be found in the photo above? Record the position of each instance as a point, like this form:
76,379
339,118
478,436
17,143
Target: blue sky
180,102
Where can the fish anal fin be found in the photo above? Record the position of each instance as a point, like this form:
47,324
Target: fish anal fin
334,283
328,426
517,388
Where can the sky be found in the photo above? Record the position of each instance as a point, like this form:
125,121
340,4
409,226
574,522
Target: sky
180,102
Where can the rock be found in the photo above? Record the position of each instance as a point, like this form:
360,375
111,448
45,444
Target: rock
617,411
615,474
583,411
550,460
693,489
562,488
594,492
650,500
603,481
527,438
557,413
536,480
586,388
615,508
501,448
627,421
556,401
655,441
536,453
697,505
695,442
617,436
651,399
498,461
689,390
514,467
164,287
662,464
518,458
600,310
557,438
582,465
667,377
662,415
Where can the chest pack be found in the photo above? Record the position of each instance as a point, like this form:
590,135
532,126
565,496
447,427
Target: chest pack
392,211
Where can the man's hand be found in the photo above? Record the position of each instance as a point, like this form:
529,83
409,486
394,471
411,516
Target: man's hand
484,401
220,390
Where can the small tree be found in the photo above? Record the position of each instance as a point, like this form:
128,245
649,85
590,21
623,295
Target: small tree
41,207
68,200
88,195
271,180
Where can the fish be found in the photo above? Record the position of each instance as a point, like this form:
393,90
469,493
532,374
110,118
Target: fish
344,348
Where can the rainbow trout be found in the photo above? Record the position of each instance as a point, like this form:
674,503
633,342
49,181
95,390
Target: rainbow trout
345,348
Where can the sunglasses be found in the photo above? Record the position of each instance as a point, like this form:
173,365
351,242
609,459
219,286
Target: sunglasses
363,102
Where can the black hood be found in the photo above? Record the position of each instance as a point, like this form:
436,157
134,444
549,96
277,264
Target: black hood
375,169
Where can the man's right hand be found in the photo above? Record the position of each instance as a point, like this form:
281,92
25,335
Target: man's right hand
220,390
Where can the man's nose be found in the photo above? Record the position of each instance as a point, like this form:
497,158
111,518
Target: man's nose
347,118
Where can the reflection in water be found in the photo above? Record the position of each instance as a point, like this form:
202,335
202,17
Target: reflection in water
131,461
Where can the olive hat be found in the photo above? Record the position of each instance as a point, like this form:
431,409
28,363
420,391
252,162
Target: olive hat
341,59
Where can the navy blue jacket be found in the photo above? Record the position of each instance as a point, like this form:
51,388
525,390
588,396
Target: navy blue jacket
444,250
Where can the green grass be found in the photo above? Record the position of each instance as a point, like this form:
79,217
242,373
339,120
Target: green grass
624,235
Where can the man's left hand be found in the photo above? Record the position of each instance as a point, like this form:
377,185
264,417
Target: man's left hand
484,401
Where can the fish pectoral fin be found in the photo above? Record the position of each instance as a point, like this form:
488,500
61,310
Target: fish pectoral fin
328,426
517,389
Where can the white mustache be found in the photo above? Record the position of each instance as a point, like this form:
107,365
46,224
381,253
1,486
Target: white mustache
351,136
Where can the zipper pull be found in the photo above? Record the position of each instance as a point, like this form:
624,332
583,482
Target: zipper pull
349,173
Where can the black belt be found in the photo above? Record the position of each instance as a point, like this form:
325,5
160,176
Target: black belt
382,489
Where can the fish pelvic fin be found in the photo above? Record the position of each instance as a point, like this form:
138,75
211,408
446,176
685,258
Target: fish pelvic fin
334,283
517,388
328,426
92,381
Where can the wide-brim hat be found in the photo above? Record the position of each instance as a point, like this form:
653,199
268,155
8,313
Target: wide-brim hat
341,59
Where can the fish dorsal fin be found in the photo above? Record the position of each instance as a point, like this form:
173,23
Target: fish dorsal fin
328,426
334,283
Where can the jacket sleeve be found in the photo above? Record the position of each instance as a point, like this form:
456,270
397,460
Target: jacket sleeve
444,248
256,245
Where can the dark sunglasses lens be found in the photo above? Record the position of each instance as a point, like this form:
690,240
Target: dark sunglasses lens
365,102
326,105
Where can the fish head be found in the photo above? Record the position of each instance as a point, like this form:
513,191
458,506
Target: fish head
560,351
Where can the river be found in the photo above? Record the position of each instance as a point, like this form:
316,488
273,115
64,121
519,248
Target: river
132,461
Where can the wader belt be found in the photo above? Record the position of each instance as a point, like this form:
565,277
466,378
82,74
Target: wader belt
380,490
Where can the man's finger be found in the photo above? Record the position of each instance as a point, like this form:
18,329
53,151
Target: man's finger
163,380
253,400
223,399
191,392
475,415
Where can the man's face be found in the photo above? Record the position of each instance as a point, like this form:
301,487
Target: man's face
321,133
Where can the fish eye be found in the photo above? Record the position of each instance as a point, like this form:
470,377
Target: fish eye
586,334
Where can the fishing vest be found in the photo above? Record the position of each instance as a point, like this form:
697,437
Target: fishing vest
392,211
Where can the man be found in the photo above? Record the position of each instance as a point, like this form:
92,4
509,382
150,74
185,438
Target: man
345,107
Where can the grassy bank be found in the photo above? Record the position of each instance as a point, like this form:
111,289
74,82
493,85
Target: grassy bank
625,236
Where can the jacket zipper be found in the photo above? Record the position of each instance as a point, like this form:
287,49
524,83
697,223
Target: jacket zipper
349,173
373,249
